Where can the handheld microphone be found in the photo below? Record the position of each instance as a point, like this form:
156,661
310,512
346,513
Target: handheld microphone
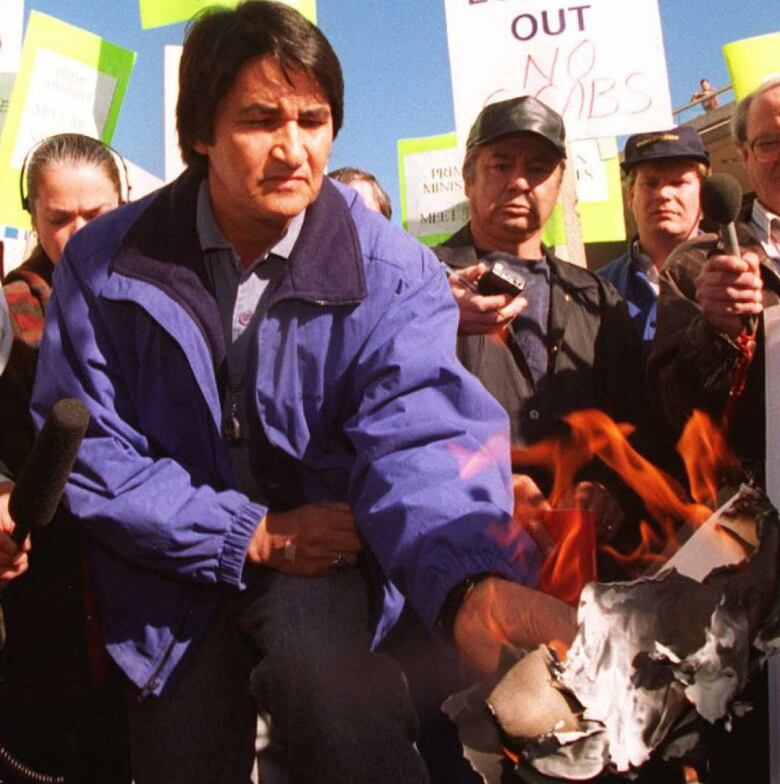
36,495
721,201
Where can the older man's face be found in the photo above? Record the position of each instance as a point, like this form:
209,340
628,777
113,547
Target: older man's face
512,190
763,123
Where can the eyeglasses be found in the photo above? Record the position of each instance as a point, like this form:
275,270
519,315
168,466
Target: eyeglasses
766,148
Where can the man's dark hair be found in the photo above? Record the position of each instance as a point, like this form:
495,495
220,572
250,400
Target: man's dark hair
220,41
349,174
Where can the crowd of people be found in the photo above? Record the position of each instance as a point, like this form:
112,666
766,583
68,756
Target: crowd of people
295,497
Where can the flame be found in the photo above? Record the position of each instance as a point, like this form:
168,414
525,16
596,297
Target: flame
593,434
706,456
572,563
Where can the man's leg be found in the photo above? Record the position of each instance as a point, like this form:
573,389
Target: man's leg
204,733
341,713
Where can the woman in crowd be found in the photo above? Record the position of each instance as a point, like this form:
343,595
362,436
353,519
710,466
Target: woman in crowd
61,704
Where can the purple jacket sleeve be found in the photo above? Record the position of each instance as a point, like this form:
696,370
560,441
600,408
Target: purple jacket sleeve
145,508
431,485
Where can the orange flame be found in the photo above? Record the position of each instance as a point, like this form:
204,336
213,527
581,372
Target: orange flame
703,449
593,434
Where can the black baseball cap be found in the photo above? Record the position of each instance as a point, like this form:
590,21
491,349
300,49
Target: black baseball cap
680,142
518,115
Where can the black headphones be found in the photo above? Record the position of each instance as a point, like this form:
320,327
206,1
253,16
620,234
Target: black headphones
123,197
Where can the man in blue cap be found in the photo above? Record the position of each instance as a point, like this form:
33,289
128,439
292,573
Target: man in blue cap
664,170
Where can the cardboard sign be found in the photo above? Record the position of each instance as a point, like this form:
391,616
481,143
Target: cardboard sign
433,204
577,59
69,81
752,61
156,13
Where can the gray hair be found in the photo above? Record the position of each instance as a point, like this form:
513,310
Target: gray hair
739,118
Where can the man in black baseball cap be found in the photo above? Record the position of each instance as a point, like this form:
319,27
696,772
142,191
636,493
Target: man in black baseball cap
664,170
568,343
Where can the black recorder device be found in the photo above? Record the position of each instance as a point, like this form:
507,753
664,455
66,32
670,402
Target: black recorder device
500,279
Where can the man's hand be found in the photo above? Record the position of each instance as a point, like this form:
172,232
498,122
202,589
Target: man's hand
729,288
13,559
482,313
530,509
498,613
595,497
307,541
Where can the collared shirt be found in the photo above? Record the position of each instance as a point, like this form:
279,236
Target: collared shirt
530,327
242,296
239,290
766,225
647,273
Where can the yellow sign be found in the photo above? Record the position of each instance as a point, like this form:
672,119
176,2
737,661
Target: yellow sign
156,13
752,61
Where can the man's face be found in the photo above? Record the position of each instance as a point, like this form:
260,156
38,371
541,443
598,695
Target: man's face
665,199
512,189
763,118
271,142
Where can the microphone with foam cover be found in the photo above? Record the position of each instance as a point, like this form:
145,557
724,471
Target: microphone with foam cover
721,201
36,495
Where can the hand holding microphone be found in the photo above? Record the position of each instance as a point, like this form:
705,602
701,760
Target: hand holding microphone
729,288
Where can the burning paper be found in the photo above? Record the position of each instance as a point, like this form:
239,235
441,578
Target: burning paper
652,659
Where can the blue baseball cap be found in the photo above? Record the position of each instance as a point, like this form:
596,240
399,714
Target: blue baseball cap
680,142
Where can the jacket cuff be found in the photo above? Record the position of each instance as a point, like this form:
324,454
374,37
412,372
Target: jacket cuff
233,557
524,571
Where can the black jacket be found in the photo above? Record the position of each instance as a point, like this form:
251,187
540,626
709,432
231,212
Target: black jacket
595,356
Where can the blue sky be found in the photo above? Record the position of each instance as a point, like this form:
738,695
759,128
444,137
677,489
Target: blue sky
396,67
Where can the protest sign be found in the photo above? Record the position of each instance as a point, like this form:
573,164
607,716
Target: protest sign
174,165
156,13
580,60
69,80
11,23
752,61
599,190
433,204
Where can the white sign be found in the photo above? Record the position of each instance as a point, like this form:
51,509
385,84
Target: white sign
141,181
174,165
11,23
772,377
600,65
64,96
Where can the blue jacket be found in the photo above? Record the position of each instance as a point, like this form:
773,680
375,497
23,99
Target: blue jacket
352,374
625,274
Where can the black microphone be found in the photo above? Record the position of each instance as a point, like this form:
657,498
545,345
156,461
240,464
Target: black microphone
36,495
721,201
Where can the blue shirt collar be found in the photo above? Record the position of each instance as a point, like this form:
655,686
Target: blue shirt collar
211,237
